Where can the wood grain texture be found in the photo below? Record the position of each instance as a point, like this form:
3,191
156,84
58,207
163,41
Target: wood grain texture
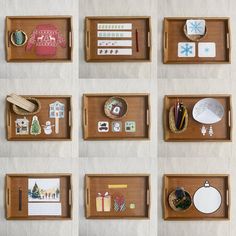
14,182
138,111
137,192
28,24
191,183
141,24
222,129
65,124
218,31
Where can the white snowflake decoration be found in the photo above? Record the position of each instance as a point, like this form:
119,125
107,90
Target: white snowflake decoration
196,27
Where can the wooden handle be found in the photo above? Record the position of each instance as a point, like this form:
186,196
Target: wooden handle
148,197
70,197
70,119
20,200
228,40
149,39
148,117
166,40
70,39
229,118
87,39
85,117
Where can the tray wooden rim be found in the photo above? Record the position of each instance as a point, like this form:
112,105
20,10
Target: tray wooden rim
70,33
166,176
40,175
85,136
164,117
86,184
165,50
86,49
70,119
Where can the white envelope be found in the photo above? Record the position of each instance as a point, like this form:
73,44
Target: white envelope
206,49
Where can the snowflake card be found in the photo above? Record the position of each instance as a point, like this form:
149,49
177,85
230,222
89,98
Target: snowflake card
186,49
196,27
206,49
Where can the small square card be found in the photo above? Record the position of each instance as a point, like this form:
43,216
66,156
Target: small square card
196,27
103,126
206,49
186,49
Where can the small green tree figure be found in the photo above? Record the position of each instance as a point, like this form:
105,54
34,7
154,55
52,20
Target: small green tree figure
35,126
35,192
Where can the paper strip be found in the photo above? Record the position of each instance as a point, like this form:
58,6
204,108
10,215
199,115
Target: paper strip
114,34
117,186
114,43
123,26
115,51
44,209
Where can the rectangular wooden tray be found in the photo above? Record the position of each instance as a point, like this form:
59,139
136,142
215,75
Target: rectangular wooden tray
134,188
222,129
141,39
65,124
138,111
17,196
28,24
191,183
218,31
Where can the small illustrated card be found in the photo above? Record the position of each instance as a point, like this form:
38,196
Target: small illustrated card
103,126
116,126
186,49
130,126
207,49
110,26
44,190
114,43
114,34
115,51
196,27
103,202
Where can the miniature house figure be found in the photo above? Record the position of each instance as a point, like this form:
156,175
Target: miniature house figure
22,126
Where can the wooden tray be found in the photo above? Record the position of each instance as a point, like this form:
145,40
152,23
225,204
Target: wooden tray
191,183
17,207
65,124
28,24
138,111
141,39
134,188
218,31
222,129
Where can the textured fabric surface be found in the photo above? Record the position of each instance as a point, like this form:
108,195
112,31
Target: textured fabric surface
80,157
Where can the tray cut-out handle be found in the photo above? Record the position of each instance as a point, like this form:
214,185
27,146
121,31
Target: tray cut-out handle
228,40
70,197
20,200
166,40
87,39
229,118
85,117
87,197
8,38
70,39
227,197
148,117
149,40
70,119
148,197
8,196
